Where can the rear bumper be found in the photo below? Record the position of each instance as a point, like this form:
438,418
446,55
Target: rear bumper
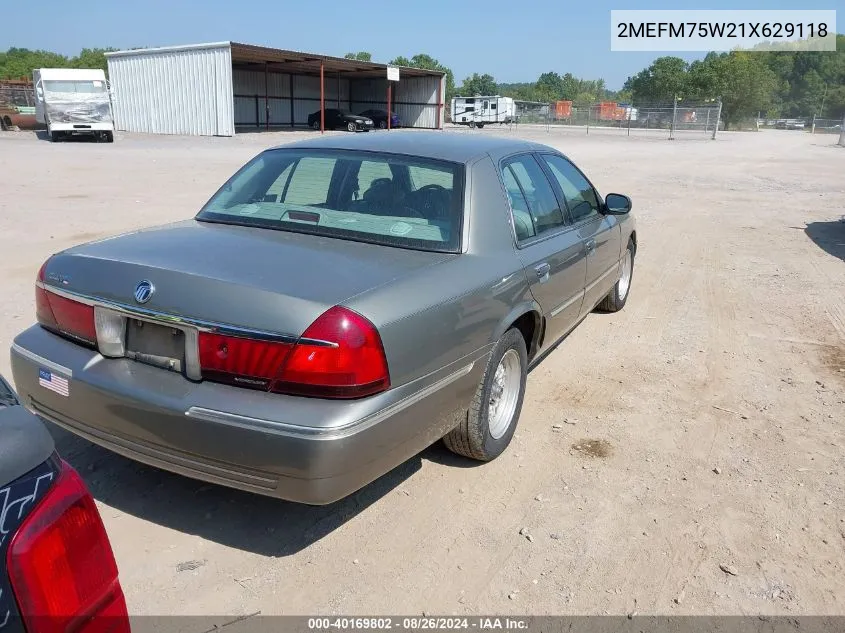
300,449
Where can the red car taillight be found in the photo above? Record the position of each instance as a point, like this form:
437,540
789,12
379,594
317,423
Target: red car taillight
350,362
64,316
61,564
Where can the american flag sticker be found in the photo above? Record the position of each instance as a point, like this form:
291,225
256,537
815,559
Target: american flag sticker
51,381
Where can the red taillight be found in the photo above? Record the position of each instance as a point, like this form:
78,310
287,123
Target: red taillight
61,564
349,361
64,316
241,361
352,367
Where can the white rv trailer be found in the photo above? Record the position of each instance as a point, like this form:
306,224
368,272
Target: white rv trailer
73,101
478,111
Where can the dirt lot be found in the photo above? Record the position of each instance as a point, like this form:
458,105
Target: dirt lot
699,427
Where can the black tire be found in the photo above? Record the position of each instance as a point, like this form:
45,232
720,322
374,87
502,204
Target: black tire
109,137
472,437
382,125
316,125
54,137
616,299
479,125
352,127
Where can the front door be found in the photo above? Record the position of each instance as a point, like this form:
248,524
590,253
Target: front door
601,233
551,251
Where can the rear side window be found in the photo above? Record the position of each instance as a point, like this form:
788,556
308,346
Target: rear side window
387,199
533,202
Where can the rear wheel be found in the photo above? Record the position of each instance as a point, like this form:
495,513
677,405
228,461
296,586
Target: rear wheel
382,125
109,137
315,125
480,125
615,301
494,411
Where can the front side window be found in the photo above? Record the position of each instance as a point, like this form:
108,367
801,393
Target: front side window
386,199
533,202
579,194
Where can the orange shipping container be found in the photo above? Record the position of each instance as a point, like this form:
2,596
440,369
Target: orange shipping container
563,109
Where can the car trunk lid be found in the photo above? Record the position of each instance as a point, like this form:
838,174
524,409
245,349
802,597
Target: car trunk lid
253,278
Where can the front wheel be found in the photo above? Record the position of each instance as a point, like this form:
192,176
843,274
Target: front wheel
617,297
494,412
55,136
351,127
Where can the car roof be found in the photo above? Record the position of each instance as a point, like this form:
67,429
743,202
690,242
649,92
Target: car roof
452,146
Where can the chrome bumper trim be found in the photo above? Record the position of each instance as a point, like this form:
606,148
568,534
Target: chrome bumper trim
332,433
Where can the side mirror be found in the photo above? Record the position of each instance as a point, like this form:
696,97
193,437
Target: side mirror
617,204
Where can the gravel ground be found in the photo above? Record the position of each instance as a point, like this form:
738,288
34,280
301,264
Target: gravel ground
684,456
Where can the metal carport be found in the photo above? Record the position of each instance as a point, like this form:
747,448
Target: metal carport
214,89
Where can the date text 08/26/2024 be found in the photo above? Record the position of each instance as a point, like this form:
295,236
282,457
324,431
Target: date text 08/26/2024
416,623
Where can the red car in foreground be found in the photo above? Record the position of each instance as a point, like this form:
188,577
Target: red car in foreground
57,569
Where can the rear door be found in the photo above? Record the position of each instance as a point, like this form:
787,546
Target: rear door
601,233
551,252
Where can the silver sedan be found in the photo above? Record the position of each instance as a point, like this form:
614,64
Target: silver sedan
336,307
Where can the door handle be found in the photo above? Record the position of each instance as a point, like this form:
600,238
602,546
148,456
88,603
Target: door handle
542,271
590,244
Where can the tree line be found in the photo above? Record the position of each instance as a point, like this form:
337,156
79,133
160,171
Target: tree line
774,83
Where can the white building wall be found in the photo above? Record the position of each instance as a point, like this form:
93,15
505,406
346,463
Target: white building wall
174,90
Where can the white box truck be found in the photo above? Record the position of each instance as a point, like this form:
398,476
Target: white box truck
478,111
73,101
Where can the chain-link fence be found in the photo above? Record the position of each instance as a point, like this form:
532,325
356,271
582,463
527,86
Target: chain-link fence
625,118
826,126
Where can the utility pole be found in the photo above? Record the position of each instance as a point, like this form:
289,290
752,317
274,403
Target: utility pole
718,118
842,132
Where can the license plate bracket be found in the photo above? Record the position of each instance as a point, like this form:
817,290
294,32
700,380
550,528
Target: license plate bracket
159,345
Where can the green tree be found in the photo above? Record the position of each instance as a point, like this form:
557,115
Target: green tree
421,60
479,85
742,80
361,56
18,63
666,78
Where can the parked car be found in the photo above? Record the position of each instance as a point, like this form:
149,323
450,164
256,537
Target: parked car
57,569
335,119
379,118
336,307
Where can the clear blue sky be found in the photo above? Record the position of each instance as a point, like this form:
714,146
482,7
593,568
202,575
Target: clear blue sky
513,40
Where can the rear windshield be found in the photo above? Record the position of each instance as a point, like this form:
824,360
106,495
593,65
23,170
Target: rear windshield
386,199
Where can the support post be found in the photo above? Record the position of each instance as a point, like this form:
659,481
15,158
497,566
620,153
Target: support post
257,115
290,85
338,90
439,104
266,98
630,112
842,132
813,126
718,118
322,98
389,91
707,122
674,117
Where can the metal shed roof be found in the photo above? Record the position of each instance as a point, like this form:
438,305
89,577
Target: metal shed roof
297,62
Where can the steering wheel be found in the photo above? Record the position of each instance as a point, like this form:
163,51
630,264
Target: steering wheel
433,197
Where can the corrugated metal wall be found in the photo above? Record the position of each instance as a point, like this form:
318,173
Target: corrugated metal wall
249,93
174,91
414,99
